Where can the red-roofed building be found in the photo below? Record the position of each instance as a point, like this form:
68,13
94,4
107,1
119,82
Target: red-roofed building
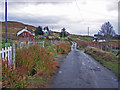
25,35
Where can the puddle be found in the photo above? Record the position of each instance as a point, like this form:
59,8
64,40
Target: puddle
95,69
60,72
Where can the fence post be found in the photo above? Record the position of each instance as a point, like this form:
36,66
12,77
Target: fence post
111,48
43,44
101,46
8,55
27,44
3,54
13,55
20,44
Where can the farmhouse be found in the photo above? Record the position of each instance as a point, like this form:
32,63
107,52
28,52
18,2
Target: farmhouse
25,35
98,38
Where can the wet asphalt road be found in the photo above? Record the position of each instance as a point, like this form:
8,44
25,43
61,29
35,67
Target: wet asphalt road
79,70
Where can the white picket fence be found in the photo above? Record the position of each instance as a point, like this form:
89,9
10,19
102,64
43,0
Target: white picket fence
8,54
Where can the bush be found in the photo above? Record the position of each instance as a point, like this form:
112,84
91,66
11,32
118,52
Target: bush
62,48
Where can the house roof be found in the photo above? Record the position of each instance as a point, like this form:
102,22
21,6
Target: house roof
23,30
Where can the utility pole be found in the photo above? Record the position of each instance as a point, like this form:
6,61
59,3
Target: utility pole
6,20
88,36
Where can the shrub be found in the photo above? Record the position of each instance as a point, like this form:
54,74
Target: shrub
62,48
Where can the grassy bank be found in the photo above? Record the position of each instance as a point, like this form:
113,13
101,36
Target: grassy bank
35,66
107,59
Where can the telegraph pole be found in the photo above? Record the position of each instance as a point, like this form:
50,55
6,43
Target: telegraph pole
6,21
88,36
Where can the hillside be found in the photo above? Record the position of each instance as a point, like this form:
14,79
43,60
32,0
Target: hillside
13,28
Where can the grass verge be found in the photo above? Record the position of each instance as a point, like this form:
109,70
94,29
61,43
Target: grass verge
107,59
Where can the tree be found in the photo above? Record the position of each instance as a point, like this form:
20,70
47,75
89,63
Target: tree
107,32
63,33
39,31
46,28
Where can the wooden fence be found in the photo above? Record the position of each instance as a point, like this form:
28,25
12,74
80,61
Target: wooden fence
27,44
33,43
102,45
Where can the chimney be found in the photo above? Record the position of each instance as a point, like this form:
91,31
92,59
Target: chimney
25,27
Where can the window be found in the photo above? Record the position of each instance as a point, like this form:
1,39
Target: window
23,34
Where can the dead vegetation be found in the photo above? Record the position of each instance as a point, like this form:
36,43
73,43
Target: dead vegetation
107,56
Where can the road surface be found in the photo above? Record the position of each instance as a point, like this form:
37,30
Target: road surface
79,70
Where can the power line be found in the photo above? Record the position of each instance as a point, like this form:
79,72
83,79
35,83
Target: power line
79,10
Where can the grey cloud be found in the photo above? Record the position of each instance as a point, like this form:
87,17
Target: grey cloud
41,0
113,6
52,21
41,20
84,2
17,4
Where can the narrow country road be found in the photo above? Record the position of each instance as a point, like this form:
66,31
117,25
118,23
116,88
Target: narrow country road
79,70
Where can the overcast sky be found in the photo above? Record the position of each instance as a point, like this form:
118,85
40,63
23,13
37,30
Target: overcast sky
75,15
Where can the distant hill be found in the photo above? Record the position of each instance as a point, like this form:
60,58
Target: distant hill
14,27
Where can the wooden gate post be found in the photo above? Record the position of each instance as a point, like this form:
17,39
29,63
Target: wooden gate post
13,60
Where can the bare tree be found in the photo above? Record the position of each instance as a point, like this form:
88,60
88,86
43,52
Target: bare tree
107,32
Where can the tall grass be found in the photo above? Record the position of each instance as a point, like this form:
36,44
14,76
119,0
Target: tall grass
35,57
11,78
34,66
51,48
